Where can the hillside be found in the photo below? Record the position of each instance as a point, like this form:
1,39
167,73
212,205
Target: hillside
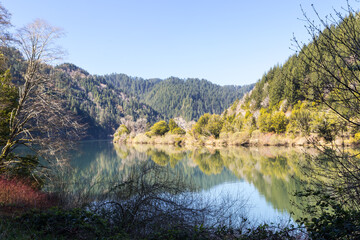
175,97
103,103
315,93
105,100
98,103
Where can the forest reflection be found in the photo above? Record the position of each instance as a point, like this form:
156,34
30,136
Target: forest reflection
275,172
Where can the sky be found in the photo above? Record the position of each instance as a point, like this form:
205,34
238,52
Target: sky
228,42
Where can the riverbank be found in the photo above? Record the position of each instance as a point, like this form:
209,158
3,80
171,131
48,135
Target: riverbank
251,139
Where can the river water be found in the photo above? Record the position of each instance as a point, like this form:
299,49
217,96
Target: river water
265,179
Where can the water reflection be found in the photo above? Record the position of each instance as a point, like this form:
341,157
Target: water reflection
268,176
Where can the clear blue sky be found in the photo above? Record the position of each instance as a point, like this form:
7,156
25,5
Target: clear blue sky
223,41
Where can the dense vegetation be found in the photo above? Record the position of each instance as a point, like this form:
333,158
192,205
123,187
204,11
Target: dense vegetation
314,92
102,101
100,104
174,97
295,99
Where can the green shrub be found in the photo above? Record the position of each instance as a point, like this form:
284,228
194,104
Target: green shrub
178,130
160,128
215,125
264,121
279,122
122,130
68,224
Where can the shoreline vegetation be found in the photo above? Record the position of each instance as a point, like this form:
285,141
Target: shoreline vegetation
304,124
312,100
244,139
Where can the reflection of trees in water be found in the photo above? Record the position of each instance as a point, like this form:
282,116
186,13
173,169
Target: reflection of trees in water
209,163
273,171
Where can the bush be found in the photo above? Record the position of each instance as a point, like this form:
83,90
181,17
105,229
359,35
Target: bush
200,126
208,125
279,122
331,219
19,193
172,125
264,121
122,130
160,128
178,130
215,125
71,224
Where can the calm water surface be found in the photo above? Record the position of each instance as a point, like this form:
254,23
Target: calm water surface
265,178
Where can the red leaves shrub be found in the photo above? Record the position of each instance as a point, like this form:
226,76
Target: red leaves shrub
19,193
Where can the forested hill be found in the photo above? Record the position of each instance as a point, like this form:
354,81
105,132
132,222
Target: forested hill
284,85
105,100
174,97
285,82
297,95
102,102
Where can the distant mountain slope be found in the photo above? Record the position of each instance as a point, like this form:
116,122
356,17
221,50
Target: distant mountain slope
138,87
314,92
285,82
98,102
174,97
101,102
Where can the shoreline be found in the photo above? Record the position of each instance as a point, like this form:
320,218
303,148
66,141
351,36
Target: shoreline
244,139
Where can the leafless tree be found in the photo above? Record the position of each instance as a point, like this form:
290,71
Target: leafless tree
5,24
135,127
333,60
40,121
149,198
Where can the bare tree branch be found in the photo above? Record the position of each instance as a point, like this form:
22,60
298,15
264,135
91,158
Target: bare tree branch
40,120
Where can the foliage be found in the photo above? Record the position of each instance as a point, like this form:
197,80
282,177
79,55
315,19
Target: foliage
272,121
122,130
208,125
178,130
279,122
330,219
326,127
215,125
73,223
160,128
228,123
264,121
23,193
199,126
175,97
39,119
8,101
175,129
172,125
301,117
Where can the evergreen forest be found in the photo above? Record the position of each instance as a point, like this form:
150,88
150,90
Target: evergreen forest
101,102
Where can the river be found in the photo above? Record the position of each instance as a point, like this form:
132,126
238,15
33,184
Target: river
265,179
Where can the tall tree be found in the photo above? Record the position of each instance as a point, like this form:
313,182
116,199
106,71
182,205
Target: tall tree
5,24
39,121
333,58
